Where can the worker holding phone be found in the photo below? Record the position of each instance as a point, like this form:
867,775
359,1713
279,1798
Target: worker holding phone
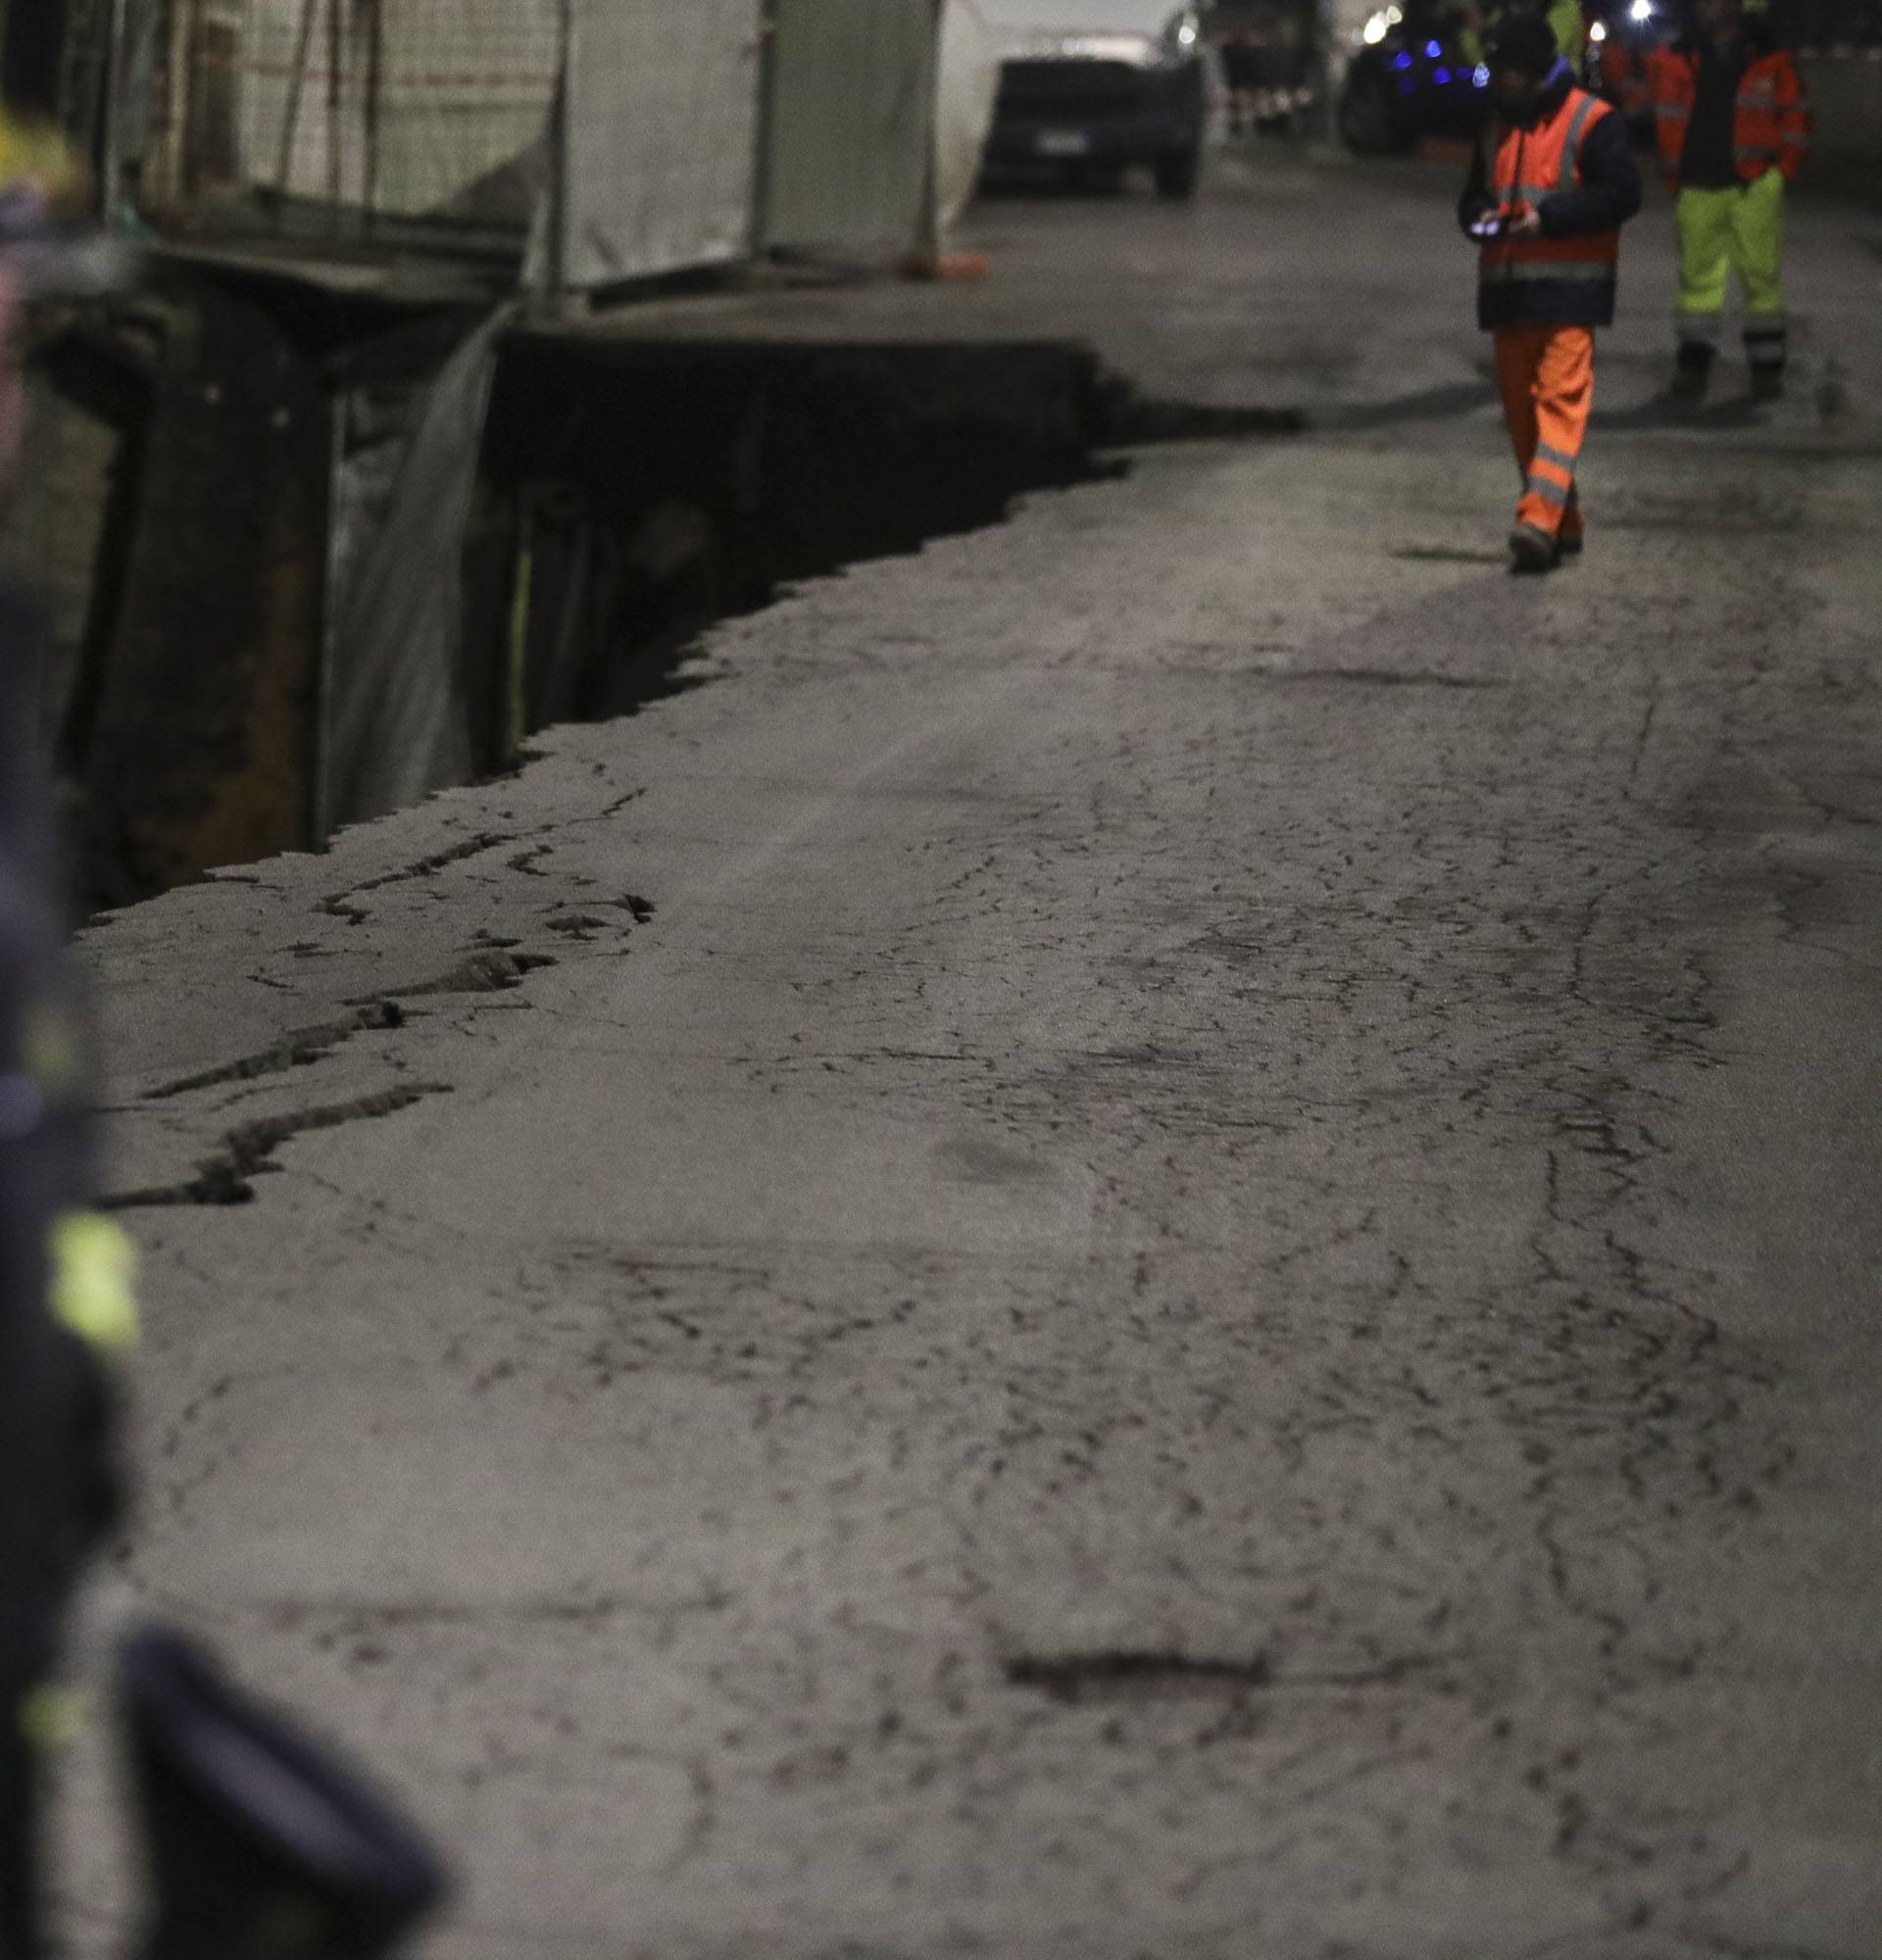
1551,181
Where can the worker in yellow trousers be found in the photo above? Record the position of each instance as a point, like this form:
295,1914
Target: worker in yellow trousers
1733,127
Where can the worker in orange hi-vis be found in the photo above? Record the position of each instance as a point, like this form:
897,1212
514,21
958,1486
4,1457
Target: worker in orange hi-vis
1552,182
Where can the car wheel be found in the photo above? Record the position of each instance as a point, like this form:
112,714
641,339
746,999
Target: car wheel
1178,171
1366,125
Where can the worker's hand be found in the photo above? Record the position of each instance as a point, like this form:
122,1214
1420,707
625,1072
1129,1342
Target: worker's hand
1524,223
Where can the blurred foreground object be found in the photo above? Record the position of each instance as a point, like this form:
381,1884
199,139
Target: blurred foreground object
262,1845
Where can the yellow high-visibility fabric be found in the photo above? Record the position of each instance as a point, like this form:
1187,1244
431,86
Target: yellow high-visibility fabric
52,1718
1571,33
93,1265
36,150
1726,232
1564,16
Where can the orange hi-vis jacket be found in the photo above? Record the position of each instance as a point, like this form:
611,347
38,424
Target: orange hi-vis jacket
1527,165
1770,126
1623,79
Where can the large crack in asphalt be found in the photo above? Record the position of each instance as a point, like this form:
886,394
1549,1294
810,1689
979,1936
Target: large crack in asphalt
298,1047
249,1149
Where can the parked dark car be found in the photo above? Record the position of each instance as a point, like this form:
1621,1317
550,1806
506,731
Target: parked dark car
1409,79
1089,89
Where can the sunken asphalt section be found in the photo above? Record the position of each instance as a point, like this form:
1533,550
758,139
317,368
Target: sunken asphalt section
1158,1238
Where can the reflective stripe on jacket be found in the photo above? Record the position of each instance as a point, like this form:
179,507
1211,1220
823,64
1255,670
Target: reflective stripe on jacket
1524,167
1770,120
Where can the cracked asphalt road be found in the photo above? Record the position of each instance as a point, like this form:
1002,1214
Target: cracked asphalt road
1158,1240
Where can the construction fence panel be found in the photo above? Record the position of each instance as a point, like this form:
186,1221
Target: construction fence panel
662,138
402,109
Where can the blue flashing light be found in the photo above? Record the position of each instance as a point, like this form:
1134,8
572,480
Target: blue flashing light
1434,49
1480,76
1441,75
1401,61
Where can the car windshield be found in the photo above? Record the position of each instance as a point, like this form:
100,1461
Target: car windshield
1075,17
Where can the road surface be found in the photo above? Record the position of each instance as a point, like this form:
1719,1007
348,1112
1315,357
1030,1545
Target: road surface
1158,1238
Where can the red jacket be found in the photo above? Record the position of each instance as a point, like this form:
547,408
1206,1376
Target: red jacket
1771,126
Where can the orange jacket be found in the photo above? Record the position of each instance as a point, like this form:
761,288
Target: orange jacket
1771,127
1623,79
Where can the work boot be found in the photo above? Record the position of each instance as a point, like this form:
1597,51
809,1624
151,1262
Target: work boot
1531,549
1692,372
1567,545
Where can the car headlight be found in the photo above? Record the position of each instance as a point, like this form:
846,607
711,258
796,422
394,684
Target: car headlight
1379,24
1182,38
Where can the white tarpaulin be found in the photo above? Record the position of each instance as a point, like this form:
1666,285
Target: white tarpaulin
852,124
663,137
968,81
395,726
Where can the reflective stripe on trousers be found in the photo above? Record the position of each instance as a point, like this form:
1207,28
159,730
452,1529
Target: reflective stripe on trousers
1600,272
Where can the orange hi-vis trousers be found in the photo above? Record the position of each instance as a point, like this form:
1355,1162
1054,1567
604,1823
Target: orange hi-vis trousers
1547,375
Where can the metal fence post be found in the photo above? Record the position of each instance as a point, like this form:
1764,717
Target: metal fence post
296,87
927,228
110,167
550,272
765,124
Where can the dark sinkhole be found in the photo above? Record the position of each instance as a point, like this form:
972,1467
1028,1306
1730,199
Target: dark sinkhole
629,491
636,492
